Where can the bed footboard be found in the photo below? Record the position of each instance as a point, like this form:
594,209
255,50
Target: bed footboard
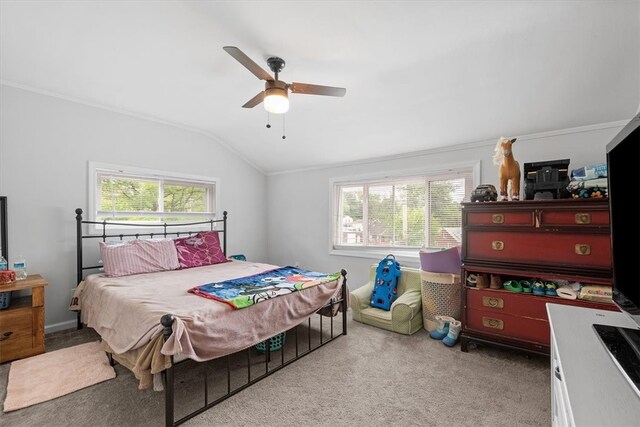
297,352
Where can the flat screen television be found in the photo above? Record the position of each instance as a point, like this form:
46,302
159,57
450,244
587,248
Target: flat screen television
623,176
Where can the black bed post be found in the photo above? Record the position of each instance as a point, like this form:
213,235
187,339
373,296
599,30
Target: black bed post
224,240
79,254
4,237
344,301
167,322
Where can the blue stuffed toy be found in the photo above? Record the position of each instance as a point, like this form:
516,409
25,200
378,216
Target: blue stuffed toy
385,288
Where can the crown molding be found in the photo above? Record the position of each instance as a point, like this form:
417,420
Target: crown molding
456,147
136,115
453,148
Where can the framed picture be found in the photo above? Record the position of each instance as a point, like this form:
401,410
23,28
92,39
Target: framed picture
4,240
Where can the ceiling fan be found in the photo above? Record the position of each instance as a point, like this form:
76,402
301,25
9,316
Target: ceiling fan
276,92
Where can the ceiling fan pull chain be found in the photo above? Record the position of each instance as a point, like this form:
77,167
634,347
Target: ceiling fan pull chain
283,128
268,121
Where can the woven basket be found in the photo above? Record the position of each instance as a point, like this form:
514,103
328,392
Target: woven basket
275,344
441,296
5,299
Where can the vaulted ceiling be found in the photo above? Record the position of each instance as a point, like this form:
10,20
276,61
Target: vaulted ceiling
419,75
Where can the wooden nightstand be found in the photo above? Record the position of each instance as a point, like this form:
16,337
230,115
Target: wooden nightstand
22,323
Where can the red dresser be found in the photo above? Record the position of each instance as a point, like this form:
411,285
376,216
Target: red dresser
549,240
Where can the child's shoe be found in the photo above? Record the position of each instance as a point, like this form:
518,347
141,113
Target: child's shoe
482,280
537,287
495,282
442,329
471,280
452,337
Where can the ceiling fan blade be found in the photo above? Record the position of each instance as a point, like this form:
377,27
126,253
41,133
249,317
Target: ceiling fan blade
309,89
254,101
248,63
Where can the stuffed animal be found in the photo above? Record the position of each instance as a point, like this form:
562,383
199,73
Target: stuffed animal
509,171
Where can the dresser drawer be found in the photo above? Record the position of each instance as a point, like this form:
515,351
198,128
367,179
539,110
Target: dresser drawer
506,302
16,334
536,248
578,218
501,324
501,218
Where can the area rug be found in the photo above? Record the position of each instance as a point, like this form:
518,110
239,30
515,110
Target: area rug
50,375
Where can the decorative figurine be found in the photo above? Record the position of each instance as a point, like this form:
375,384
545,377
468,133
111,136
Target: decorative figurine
509,171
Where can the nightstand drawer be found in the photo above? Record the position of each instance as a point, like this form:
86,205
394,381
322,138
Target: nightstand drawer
565,249
22,323
16,334
488,322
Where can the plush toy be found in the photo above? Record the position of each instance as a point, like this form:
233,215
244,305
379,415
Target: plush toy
509,171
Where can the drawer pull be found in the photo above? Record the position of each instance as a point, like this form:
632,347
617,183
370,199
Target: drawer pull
497,245
497,218
6,336
583,218
582,249
492,302
488,322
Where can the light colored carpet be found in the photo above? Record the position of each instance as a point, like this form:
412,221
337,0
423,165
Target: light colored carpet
371,377
49,375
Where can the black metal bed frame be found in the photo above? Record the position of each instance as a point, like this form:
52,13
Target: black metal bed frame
167,319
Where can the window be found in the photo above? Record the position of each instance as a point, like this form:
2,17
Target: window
404,212
132,195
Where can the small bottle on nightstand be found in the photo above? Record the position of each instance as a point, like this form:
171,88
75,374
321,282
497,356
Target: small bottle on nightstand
20,268
4,265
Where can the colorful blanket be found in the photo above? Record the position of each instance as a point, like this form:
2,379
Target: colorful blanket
246,291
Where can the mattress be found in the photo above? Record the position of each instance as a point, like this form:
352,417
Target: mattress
126,312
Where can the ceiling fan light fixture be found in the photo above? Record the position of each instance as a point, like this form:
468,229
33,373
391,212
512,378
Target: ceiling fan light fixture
276,100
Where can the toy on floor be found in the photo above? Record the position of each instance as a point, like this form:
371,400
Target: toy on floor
509,171
385,288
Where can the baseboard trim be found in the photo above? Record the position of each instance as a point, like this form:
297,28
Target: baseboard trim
69,324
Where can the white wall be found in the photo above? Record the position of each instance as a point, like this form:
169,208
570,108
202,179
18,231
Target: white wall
45,145
299,203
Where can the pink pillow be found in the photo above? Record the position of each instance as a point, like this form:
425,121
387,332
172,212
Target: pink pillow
201,249
139,256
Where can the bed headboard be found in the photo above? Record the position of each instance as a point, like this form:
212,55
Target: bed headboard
168,230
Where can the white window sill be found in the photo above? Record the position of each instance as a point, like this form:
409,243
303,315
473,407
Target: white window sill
408,257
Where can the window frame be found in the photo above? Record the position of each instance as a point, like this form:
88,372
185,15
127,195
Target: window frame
373,252
97,168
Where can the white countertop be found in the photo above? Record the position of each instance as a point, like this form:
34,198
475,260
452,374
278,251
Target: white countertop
598,393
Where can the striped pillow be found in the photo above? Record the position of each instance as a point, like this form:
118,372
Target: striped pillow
139,256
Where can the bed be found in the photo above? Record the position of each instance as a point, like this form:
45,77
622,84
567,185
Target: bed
153,321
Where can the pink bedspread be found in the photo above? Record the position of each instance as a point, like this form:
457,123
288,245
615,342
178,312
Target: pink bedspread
126,311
